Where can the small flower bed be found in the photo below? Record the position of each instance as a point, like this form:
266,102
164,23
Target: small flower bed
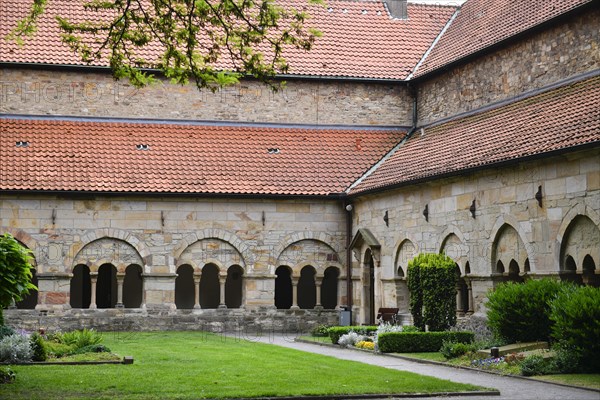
366,345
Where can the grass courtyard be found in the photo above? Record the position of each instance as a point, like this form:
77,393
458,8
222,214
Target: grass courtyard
185,365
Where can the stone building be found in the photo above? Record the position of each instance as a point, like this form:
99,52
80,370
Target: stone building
472,130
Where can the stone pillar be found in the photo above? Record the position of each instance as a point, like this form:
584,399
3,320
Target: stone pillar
222,280
94,280
295,294
459,304
120,279
470,290
197,276
318,283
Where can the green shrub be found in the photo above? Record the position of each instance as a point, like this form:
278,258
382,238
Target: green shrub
6,375
6,331
320,331
79,339
15,348
432,286
535,364
568,361
336,331
58,350
410,328
39,348
520,312
415,342
92,348
451,349
576,316
1,317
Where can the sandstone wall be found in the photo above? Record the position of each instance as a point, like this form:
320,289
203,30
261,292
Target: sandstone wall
96,94
509,224
555,54
160,235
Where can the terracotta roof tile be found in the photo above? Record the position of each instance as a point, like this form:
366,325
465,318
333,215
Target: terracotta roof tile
359,39
482,23
93,156
559,119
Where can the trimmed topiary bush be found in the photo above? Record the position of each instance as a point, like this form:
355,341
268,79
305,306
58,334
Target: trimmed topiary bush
576,316
520,312
416,342
336,331
432,286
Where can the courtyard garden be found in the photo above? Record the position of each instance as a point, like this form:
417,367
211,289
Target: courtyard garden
202,365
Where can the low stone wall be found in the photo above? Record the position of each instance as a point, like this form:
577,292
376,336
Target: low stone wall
242,322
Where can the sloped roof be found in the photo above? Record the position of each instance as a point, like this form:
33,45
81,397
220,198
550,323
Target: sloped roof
78,155
359,40
558,119
480,24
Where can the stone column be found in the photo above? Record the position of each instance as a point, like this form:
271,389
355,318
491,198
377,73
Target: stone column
470,290
318,284
222,280
94,280
143,291
295,294
120,279
197,276
459,305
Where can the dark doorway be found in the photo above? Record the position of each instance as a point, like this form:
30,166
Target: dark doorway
329,288
283,288
234,287
81,287
307,290
210,287
106,287
132,287
371,288
30,301
184,287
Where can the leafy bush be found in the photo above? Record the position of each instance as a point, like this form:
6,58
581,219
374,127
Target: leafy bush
15,270
15,348
320,331
79,339
535,364
38,347
576,316
410,328
520,312
451,349
350,339
58,350
432,286
336,331
6,331
6,375
92,348
413,342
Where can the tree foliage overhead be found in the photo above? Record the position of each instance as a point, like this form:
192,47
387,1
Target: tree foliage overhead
209,42
15,271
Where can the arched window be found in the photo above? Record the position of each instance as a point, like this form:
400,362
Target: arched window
234,287
329,288
184,287
283,288
210,287
81,287
307,290
132,287
589,276
499,267
106,287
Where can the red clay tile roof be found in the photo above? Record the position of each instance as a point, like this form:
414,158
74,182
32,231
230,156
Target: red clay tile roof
551,121
483,23
359,40
102,156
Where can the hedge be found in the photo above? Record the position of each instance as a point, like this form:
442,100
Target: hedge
416,342
336,331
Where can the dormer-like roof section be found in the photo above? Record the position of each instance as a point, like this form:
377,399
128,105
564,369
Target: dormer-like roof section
541,125
481,24
360,40
184,158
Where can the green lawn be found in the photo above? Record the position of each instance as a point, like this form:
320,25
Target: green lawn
591,381
187,365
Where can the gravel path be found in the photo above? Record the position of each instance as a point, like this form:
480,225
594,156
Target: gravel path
511,388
